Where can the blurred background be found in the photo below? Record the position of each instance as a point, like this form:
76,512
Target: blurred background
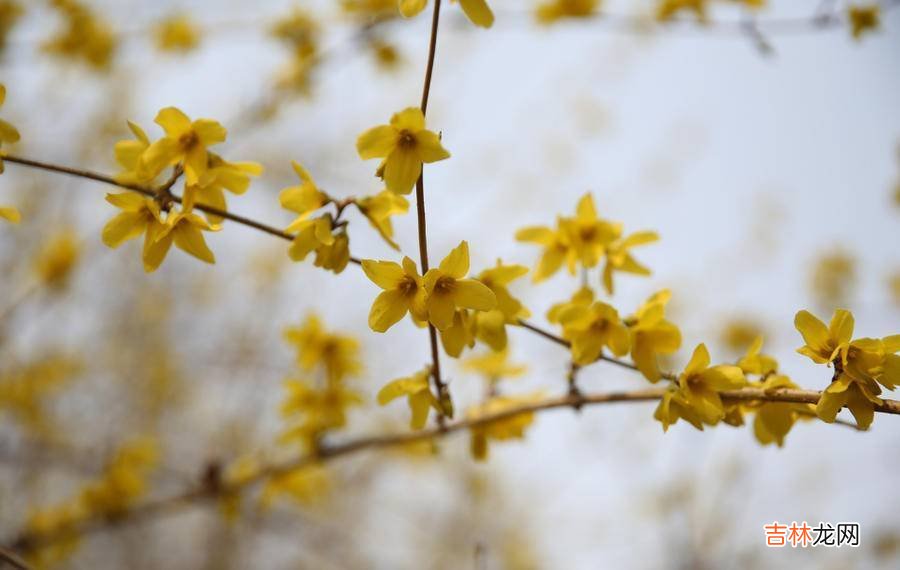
767,160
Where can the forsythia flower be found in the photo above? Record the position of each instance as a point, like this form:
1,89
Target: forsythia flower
337,353
739,333
591,327
833,278
652,334
403,292
316,409
695,396
447,289
304,485
490,326
220,175
378,210
128,154
863,19
10,214
185,142
754,362
300,32
8,133
589,235
557,249
10,13
417,390
581,298
478,12
618,257
405,145
177,34
494,366
84,36
57,259
666,10
512,427
861,366
24,388
123,480
554,10
184,229
303,199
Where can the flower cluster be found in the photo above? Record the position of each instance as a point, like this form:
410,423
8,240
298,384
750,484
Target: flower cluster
184,148
585,240
84,36
862,367
300,32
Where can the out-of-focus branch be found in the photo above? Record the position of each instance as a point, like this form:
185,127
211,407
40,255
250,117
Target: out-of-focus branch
325,453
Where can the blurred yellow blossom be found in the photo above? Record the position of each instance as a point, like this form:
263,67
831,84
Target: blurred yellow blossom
8,133
618,257
57,258
11,12
652,334
478,11
511,427
863,19
552,11
739,333
311,411
10,214
494,366
447,289
25,387
83,36
833,278
404,145
755,362
305,485
666,10
300,31
419,397
338,354
177,33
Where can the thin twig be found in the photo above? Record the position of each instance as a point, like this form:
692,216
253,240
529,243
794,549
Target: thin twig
13,560
325,453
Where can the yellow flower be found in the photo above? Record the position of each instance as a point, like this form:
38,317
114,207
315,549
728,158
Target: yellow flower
581,298
314,411
84,36
25,388
57,259
591,327
754,362
128,154
652,334
123,480
338,354
589,235
10,214
139,215
303,199
305,485
512,427
554,10
494,366
863,19
378,210
695,396
774,420
557,249
460,334
177,34
403,292
447,289
490,326
182,229
618,257
478,12
666,10
8,133
334,256
405,145
833,278
185,142
739,333
10,13
859,365
417,390
220,175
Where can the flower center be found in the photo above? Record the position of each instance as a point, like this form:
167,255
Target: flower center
444,285
188,139
407,139
408,286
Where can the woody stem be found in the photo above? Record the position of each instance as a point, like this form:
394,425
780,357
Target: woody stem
439,385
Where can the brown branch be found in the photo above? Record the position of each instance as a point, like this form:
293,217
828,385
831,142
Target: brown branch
150,193
440,387
13,560
325,453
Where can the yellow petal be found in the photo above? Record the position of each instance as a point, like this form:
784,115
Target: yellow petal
377,142
473,294
385,274
157,242
456,264
402,387
209,132
478,12
410,119
173,121
401,170
429,147
814,331
189,239
389,307
10,214
419,404
440,310
699,361
123,227
841,327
